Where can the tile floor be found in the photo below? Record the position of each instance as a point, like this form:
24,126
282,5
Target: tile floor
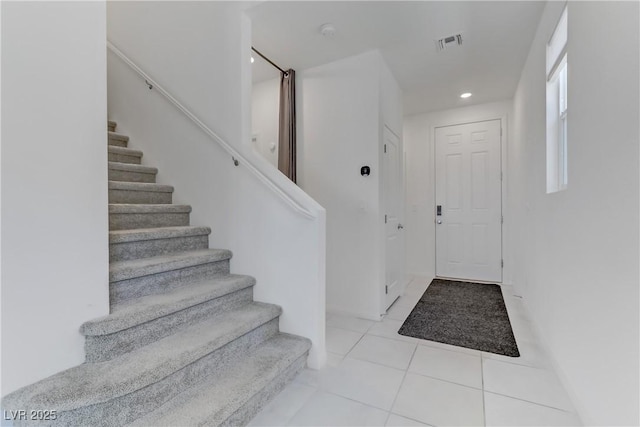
376,377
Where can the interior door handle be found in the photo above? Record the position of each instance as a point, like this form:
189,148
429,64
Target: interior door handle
400,226
439,221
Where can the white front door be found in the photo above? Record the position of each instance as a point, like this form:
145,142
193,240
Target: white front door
469,201
392,196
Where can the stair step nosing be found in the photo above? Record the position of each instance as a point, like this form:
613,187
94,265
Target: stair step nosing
129,167
140,186
146,234
124,151
154,307
118,136
124,380
293,348
125,270
133,208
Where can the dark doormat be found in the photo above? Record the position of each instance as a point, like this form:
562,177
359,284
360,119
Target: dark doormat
465,314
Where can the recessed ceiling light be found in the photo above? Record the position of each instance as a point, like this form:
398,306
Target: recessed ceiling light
252,59
465,95
328,30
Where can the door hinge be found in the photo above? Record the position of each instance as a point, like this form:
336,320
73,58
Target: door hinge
501,177
385,148
386,289
500,131
385,218
502,263
501,219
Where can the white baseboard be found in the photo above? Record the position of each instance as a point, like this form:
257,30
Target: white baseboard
343,312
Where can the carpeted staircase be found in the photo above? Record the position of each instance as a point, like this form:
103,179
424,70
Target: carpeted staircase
185,344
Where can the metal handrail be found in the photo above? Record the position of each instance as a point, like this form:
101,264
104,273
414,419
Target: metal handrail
268,60
236,157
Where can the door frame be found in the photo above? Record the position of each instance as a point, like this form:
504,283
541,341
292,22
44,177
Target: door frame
504,144
401,215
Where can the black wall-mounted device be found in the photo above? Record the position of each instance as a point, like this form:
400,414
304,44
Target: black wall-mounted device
365,171
439,210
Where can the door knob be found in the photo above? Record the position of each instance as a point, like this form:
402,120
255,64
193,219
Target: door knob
400,226
439,221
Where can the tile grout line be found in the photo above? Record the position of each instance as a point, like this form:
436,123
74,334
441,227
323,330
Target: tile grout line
353,346
390,411
409,418
303,405
524,364
413,372
533,403
386,421
446,381
484,406
429,344
377,363
350,330
406,371
368,405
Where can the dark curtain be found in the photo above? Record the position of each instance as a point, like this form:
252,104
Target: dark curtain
287,126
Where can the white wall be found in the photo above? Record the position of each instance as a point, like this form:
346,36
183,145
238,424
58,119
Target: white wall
270,241
339,131
577,250
54,184
420,184
265,109
390,100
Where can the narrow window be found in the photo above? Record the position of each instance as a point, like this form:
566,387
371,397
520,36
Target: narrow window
557,176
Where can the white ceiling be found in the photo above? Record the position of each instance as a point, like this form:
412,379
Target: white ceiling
496,40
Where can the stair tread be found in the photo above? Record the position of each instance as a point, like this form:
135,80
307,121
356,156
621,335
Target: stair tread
116,135
148,208
92,383
140,186
124,150
142,234
124,270
135,312
130,167
220,396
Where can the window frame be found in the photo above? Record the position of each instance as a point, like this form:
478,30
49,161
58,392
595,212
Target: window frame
557,107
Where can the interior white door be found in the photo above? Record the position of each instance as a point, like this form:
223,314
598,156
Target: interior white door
469,201
392,197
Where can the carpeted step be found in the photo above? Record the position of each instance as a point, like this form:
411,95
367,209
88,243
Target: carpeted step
125,270
234,395
117,391
131,173
111,125
118,140
148,242
150,276
129,217
139,193
124,155
138,322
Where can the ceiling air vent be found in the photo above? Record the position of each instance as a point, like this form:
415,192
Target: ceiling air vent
448,42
